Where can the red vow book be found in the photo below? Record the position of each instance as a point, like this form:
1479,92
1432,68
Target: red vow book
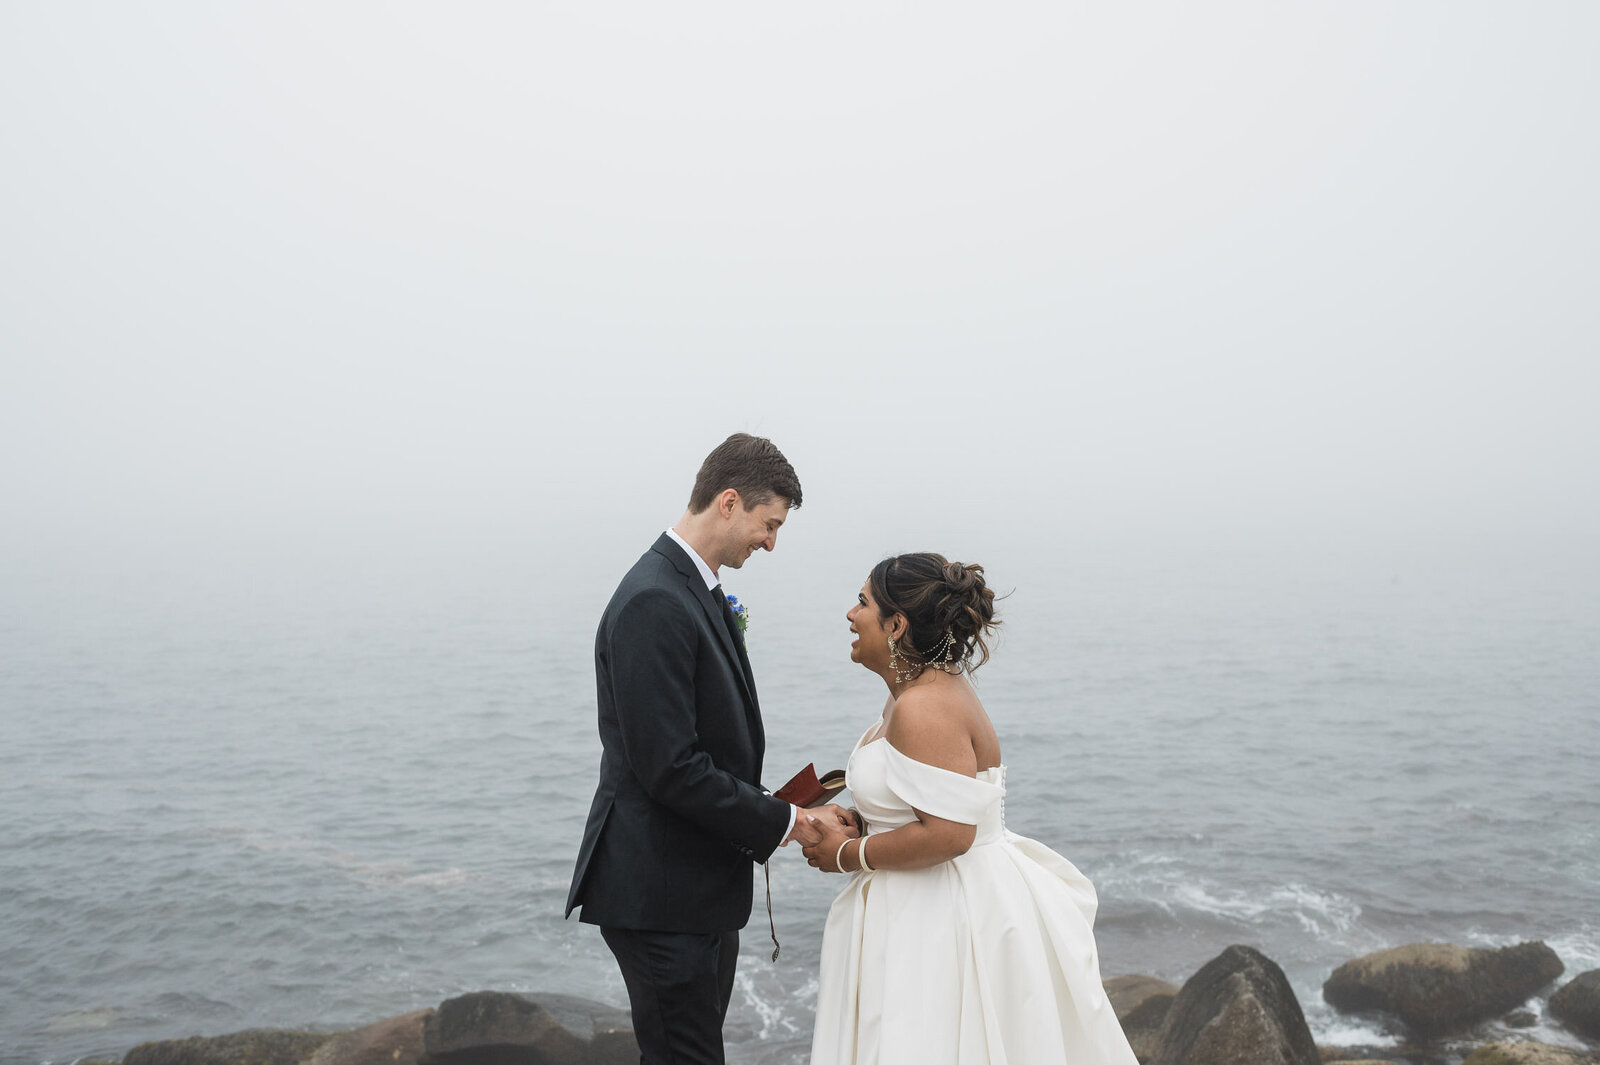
805,790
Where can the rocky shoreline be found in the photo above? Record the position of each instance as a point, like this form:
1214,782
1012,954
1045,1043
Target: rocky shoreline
1237,1009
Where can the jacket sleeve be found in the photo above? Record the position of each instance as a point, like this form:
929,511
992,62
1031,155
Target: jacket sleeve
652,645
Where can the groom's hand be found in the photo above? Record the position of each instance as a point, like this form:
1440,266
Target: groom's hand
812,826
807,829
833,812
831,826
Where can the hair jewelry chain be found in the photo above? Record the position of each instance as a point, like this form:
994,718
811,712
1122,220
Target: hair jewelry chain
942,659
945,656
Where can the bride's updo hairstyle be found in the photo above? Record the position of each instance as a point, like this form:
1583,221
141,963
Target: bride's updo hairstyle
938,597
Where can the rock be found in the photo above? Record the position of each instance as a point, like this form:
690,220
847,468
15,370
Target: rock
497,1028
258,1047
1578,1004
1527,1054
1238,1008
1521,1019
1435,988
1140,1001
396,1041
1141,1004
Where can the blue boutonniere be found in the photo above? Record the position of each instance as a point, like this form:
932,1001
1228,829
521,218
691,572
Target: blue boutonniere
741,613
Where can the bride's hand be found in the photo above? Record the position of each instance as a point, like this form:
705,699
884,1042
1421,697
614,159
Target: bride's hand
835,831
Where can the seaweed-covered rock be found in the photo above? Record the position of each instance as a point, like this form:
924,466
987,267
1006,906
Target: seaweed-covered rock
498,1028
1141,1004
1238,1008
1528,1054
256,1047
1436,988
1578,1004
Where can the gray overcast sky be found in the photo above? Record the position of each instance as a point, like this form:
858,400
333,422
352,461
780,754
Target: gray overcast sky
493,278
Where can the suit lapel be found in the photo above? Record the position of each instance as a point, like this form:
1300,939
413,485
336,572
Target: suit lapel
717,612
732,647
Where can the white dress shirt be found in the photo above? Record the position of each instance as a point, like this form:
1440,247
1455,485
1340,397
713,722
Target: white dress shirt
706,573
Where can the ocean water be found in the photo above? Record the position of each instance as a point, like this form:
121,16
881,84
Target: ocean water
317,809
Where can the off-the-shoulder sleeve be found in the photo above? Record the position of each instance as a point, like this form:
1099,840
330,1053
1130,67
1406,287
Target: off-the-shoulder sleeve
939,792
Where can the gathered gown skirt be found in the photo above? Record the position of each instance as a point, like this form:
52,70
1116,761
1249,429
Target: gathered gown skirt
986,959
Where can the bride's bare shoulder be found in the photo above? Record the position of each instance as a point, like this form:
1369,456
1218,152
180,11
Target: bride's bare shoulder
931,724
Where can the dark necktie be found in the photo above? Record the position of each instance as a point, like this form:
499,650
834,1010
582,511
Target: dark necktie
727,616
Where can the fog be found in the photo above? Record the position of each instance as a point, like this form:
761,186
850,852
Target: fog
310,295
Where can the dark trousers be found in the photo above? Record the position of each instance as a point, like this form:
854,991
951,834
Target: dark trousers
679,985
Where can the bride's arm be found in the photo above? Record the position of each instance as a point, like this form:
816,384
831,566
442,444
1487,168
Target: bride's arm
933,731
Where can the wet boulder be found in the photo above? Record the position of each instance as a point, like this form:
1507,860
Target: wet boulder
499,1028
1141,1004
1238,1008
1578,1004
1436,989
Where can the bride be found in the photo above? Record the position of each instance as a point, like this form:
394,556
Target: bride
954,942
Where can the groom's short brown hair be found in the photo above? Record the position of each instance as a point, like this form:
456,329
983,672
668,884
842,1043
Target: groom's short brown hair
750,465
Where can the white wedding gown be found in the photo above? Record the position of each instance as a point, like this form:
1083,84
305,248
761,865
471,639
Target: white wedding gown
987,959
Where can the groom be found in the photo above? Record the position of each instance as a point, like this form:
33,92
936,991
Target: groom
679,815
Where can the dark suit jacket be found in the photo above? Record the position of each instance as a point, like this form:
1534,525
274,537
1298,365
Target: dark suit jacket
679,816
